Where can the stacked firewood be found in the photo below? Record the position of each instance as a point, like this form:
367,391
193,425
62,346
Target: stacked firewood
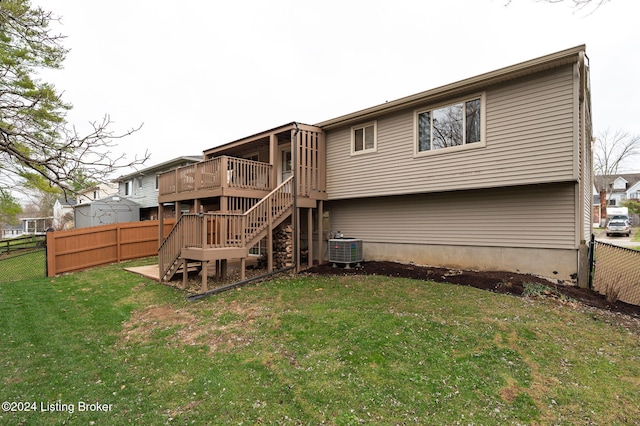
283,246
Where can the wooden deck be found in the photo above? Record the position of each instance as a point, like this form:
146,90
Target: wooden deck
235,202
215,236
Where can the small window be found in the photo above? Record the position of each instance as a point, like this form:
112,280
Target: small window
128,187
449,126
140,182
364,138
157,182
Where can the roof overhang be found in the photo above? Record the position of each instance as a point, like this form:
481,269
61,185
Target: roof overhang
218,150
554,60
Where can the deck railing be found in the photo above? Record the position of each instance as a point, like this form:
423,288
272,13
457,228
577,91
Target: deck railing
222,230
268,210
219,172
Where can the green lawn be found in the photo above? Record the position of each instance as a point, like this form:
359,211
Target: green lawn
308,350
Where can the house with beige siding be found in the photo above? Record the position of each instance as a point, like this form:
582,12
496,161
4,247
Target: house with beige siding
490,173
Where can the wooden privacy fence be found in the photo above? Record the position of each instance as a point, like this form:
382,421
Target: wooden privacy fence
84,248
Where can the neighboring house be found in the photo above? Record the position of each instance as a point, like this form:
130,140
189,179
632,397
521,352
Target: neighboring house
12,231
615,189
63,213
29,226
113,209
491,173
141,186
97,192
618,188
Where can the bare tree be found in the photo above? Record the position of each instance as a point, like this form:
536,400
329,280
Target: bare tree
613,150
37,145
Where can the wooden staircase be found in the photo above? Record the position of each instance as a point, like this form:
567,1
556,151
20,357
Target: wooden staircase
211,236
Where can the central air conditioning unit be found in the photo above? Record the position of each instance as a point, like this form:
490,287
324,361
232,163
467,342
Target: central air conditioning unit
345,250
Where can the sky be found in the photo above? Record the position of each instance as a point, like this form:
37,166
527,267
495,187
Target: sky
201,73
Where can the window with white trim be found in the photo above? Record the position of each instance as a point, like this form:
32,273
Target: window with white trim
450,125
363,138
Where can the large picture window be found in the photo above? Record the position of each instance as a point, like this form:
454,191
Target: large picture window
450,125
363,138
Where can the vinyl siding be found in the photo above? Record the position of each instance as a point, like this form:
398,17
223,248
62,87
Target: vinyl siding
147,196
529,137
536,216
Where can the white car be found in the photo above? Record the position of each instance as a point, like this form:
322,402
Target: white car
621,217
618,227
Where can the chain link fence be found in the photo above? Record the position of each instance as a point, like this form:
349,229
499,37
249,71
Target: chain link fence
23,258
616,273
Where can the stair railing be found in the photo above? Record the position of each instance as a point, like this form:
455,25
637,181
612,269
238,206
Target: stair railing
220,230
268,210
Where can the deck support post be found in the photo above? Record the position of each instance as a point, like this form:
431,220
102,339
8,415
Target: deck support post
269,238
223,269
296,254
205,273
185,274
309,237
243,264
320,231
273,159
160,224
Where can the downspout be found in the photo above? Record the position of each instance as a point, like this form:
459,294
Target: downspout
294,219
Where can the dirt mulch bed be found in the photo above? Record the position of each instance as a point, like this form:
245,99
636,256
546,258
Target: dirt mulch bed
496,281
